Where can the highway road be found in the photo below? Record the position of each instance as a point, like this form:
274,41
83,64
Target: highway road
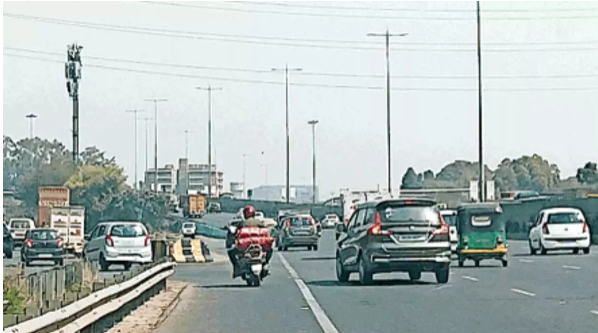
554,293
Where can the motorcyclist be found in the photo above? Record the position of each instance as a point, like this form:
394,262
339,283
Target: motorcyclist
248,221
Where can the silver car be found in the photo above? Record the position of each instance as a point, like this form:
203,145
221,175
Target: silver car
122,243
298,230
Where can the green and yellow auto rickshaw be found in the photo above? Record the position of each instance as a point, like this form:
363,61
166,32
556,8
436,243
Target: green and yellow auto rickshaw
482,233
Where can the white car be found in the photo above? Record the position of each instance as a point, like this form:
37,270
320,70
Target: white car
559,229
118,243
330,221
188,229
260,215
450,217
18,228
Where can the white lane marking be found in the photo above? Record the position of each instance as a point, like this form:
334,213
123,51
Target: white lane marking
443,287
325,322
571,267
527,261
523,292
470,278
594,312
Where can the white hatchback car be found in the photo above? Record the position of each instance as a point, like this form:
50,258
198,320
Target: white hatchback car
330,221
559,229
118,243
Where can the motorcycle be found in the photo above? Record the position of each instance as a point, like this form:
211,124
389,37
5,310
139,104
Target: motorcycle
251,251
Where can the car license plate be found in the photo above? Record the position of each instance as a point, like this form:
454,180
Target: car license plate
45,255
411,238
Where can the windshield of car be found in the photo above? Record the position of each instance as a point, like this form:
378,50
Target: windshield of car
20,224
127,230
450,219
409,214
43,235
565,218
301,222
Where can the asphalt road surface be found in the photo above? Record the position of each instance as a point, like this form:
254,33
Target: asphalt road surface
553,293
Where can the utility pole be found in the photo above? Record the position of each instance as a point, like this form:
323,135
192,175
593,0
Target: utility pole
31,117
482,180
244,174
313,124
135,114
146,119
72,74
286,69
209,89
387,36
156,101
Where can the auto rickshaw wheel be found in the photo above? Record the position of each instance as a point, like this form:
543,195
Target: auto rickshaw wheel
505,263
461,261
477,262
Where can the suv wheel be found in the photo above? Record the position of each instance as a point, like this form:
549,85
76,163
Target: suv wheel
442,275
341,274
365,275
415,275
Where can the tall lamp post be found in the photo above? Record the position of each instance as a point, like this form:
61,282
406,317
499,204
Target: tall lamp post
313,124
31,118
286,70
209,89
156,101
482,181
387,36
135,114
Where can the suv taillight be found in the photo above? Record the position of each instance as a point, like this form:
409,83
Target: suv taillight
288,224
59,242
29,243
376,228
109,241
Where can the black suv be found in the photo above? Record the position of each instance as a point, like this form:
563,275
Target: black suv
397,235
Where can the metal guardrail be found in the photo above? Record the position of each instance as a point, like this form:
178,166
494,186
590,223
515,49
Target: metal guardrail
102,308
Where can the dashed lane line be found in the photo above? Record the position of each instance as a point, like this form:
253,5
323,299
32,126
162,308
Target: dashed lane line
323,320
594,312
527,261
470,278
571,267
523,292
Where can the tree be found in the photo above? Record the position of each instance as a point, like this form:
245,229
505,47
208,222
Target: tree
460,173
526,173
428,175
410,180
93,156
588,174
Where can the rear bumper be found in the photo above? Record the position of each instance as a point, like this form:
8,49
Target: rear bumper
139,256
43,254
299,241
498,252
425,258
562,244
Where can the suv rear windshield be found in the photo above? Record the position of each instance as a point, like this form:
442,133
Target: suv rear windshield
409,214
43,235
564,218
127,230
300,222
188,225
20,224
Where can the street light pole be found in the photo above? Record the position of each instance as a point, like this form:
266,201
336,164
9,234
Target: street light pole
135,113
156,100
146,119
244,179
209,89
482,180
313,124
288,171
387,36
31,117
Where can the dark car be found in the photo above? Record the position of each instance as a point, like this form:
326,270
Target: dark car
397,235
214,207
7,243
298,230
42,244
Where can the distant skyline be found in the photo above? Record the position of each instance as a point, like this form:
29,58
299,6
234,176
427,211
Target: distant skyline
540,67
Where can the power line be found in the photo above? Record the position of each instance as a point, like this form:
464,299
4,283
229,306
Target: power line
419,10
314,85
256,40
309,73
342,16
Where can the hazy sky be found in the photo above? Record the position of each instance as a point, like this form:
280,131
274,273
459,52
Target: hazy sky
431,127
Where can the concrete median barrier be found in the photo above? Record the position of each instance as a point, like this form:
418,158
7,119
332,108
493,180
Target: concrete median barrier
187,250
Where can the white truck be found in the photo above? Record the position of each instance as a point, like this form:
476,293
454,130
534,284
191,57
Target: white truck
70,223
352,199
